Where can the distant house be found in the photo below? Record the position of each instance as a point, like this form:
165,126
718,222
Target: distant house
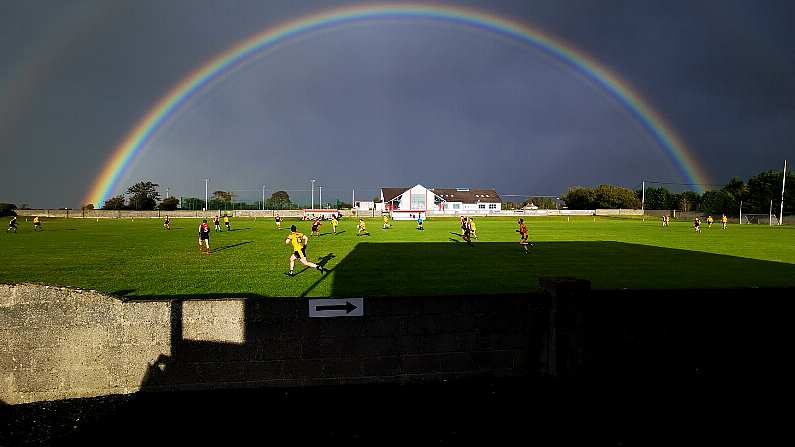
440,200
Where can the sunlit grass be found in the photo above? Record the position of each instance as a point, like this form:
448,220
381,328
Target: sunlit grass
139,258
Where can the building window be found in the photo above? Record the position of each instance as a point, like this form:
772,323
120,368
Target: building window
482,206
418,201
492,206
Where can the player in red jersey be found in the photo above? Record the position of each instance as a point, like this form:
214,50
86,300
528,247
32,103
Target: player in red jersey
204,235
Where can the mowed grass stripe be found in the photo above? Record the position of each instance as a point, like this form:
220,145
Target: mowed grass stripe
137,258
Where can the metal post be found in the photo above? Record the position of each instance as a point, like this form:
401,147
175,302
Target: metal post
783,182
206,202
321,196
741,212
643,197
770,214
313,193
263,197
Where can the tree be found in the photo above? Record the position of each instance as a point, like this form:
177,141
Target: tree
579,198
686,201
143,195
7,209
765,187
279,200
223,196
717,202
115,203
87,207
658,199
545,203
192,203
169,204
509,206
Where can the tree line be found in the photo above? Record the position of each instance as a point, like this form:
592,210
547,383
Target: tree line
144,196
755,196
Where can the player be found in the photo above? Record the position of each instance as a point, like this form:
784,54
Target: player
724,220
278,222
419,222
226,222
473,229
697,225
315,227
386,222
204,237
298,242
12,225
334,223
709,221
463,224
166,223
361,228
467,232
523,233
217,223
664,220
36,224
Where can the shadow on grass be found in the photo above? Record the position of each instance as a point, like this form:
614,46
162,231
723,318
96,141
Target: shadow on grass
226,247
400,269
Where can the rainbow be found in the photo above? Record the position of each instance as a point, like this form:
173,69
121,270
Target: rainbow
168,106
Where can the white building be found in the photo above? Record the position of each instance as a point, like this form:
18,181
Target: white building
439,201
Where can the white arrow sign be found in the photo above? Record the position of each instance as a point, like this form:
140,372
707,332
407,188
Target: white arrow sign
336,307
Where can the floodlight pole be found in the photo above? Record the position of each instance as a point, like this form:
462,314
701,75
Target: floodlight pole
321,196
741,212
263,197
783,182
770,215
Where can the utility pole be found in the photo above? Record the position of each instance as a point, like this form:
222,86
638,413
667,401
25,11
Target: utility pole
167,196
321,196
783,182
263,197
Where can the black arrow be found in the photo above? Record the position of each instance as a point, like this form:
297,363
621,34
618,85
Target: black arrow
347,307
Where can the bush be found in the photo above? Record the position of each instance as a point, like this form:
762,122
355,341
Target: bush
8,209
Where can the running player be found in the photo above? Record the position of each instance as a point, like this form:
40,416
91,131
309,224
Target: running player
334,223
166,223
226,222
419,222
463,224
386,222
217,223
697,224
36,224
524,236
709,221
12,225
204,237
298,242
473,229
361,228
315,227
278,222
724,220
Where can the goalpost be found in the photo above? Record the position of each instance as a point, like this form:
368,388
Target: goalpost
764,219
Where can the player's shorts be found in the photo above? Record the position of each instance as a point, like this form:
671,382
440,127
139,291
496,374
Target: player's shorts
300,254
204,236
525,237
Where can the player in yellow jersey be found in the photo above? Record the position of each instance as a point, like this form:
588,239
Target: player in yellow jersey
710,220
724,220
36,224
334,223
361,228
226,222
473,229
298,242
386,222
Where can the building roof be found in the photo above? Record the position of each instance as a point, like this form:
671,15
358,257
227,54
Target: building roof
468,195
391,193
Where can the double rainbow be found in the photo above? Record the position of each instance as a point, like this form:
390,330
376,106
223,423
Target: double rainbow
114,169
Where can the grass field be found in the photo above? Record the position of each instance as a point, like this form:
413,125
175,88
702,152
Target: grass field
139,259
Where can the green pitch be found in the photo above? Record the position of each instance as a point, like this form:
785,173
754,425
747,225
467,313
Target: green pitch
139,259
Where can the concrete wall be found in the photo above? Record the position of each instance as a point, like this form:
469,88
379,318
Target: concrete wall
61,343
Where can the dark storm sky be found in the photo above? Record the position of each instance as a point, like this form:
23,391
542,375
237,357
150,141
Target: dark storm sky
393,102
